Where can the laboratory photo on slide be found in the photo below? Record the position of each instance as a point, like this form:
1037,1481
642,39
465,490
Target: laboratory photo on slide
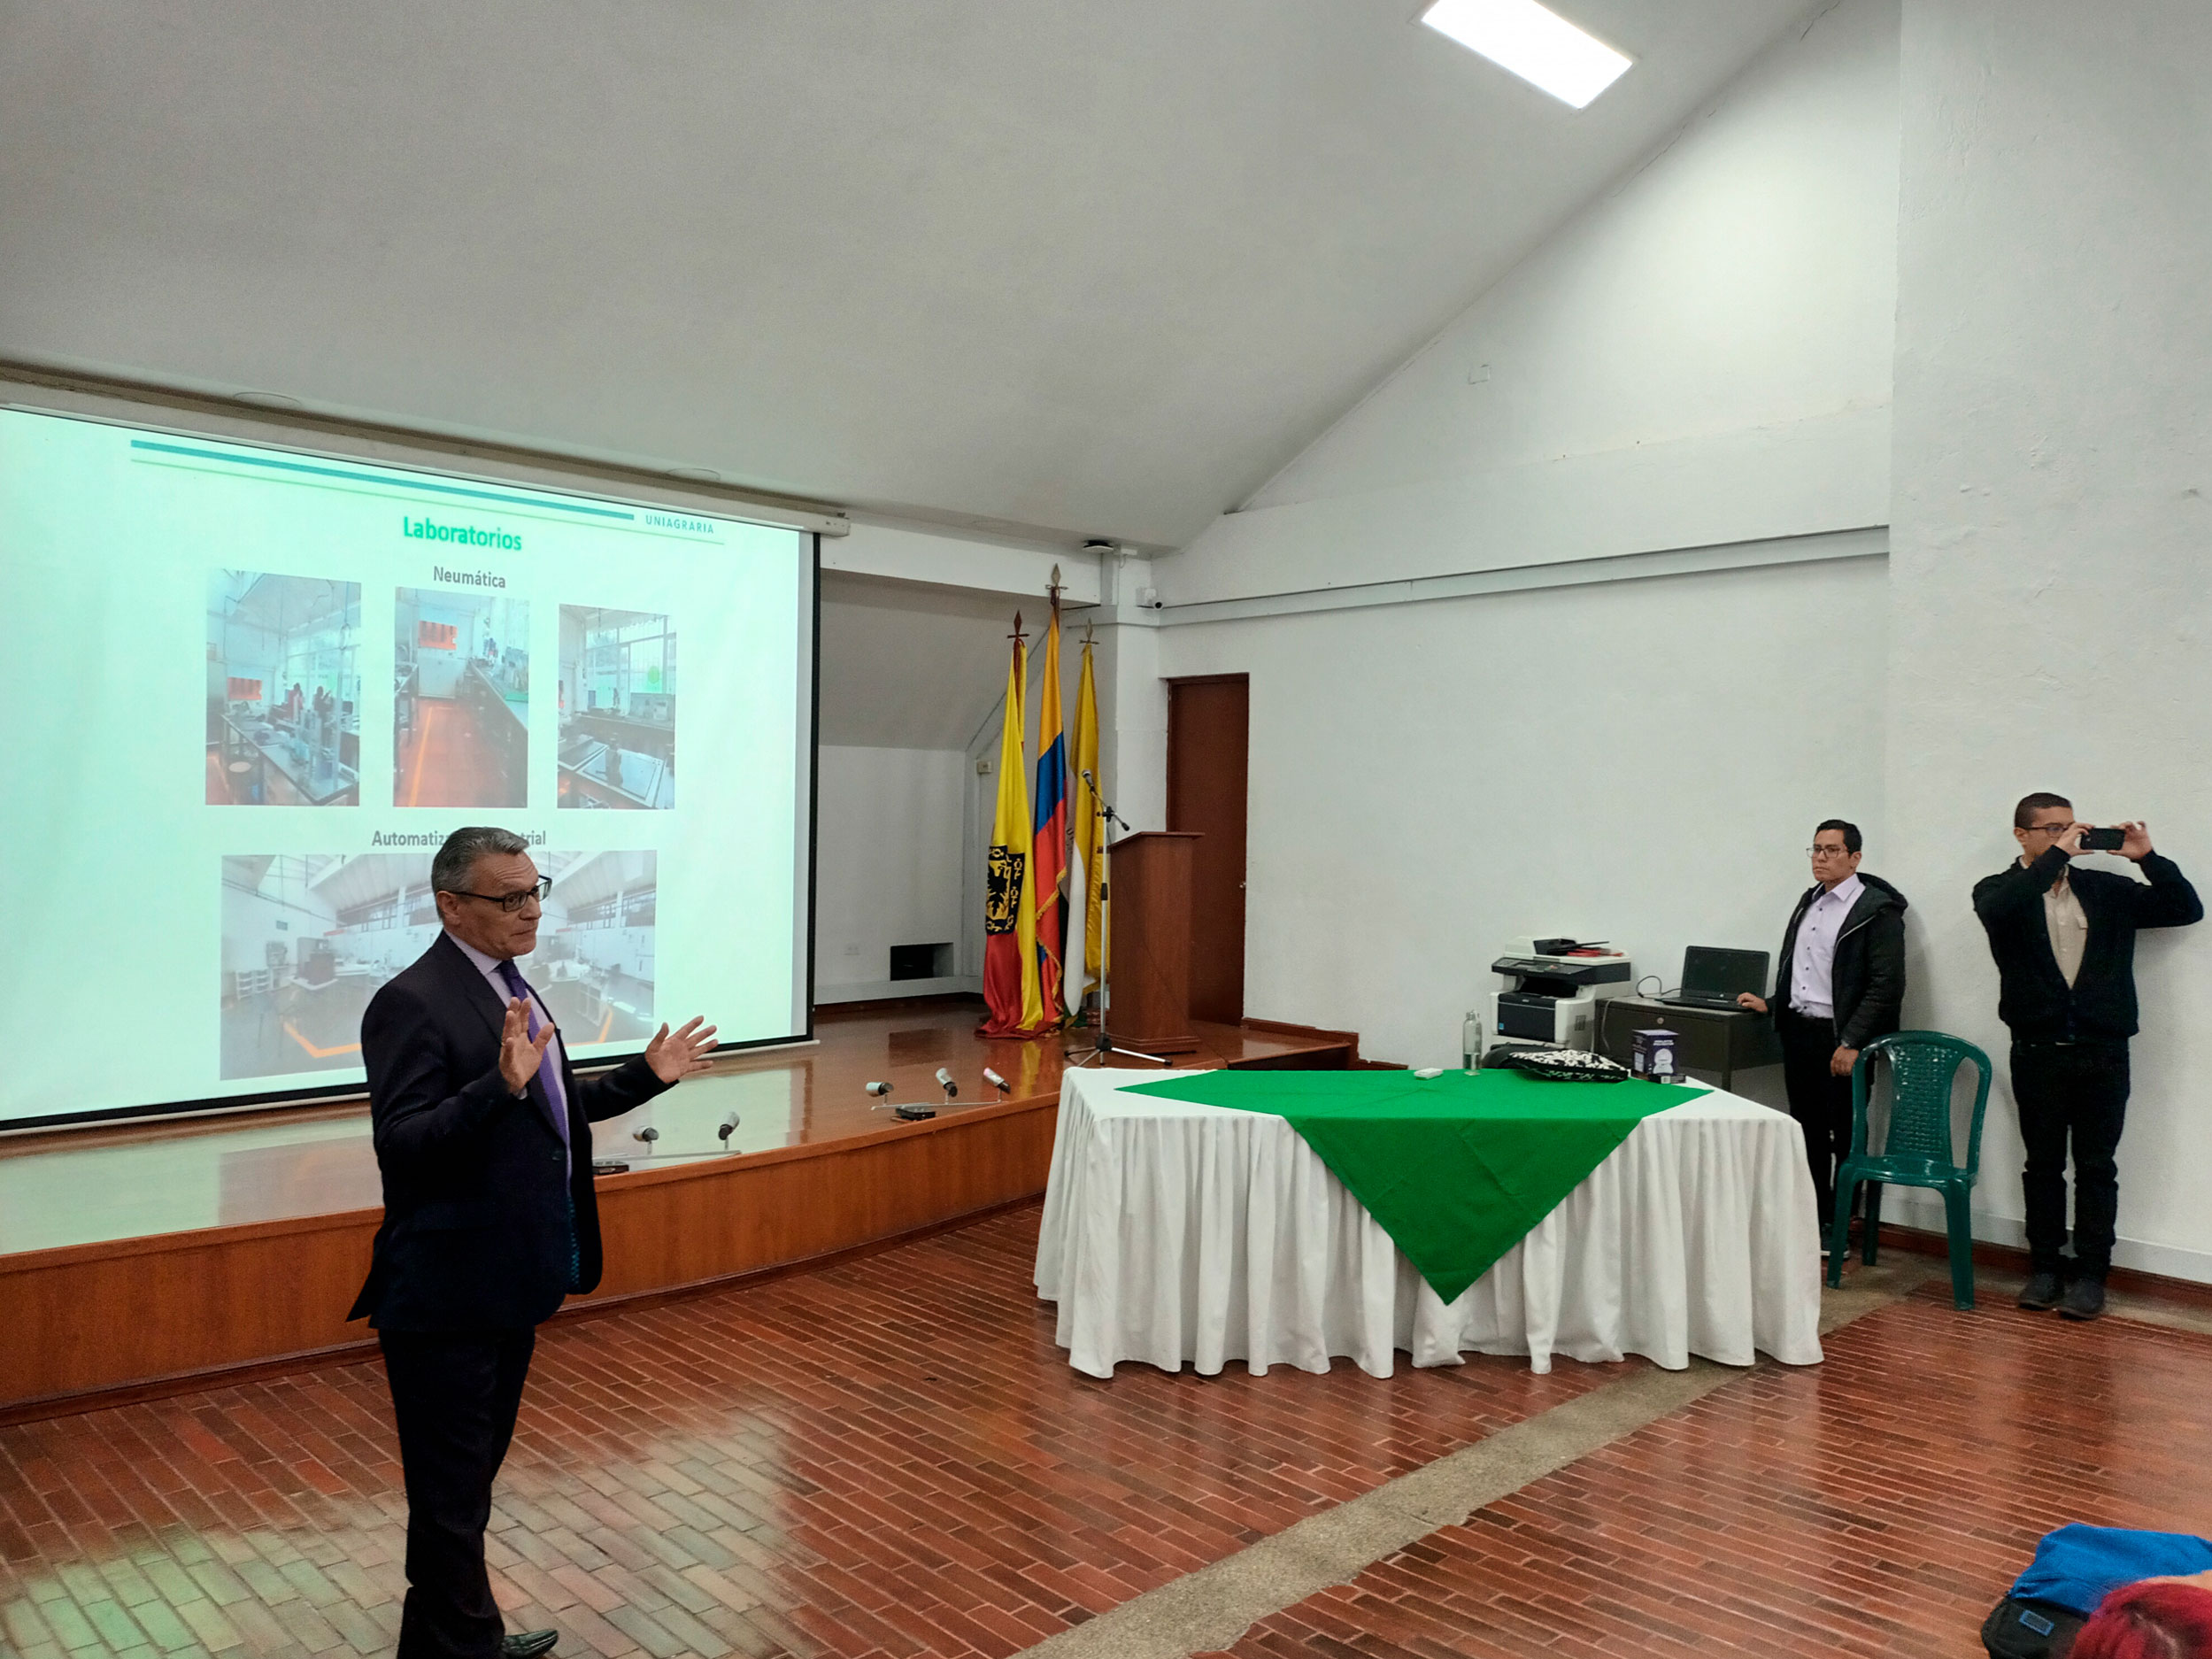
308,939
618,709
283,723
460,699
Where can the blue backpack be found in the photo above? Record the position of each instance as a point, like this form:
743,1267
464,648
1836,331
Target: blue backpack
2073,1569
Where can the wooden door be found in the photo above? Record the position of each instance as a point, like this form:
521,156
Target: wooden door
1208,722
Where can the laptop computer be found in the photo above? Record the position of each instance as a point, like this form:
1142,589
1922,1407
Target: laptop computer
1713,978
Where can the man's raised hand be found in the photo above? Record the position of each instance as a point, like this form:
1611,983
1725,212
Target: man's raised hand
674,1057
520,1053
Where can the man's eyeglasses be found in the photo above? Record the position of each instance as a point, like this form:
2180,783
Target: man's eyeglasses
511,903
1828,852
2054,830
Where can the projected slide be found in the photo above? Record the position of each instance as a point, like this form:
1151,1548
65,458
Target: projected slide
307,939
283,685
460,699
254,689
618,718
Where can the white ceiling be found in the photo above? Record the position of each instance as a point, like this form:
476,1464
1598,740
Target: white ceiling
1090,269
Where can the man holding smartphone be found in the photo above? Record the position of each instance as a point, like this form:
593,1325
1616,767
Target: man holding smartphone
2064,943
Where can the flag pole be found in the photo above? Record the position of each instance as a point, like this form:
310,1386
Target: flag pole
1102,1044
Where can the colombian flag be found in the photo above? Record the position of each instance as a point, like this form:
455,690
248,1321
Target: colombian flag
1086,965
1049,857
1010,982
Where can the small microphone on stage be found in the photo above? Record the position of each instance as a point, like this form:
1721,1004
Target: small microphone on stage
728,1127
648,1134
945,1082
997,1082
879,1089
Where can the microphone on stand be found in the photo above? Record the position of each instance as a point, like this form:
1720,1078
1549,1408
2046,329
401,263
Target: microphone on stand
945,1082
997,1082
1106,809
649,1135
728,1127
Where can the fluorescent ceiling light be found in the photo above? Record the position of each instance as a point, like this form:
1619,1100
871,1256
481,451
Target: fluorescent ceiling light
1537,44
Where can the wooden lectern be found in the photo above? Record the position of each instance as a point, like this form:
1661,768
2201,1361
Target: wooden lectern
1149,937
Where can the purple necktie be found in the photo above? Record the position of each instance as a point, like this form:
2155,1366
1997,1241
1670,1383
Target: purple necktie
549,1065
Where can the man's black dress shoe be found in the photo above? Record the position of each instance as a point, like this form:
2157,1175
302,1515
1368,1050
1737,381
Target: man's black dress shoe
529,1644
2041,1292
2085,1299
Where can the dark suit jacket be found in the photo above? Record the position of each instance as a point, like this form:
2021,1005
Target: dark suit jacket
2033,997
1867,977
477,1217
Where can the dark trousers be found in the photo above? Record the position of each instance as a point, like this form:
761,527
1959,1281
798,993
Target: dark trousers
455,1395
2076,1091
1819,1100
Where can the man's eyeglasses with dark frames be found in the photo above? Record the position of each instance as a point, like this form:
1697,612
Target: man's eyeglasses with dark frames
511,903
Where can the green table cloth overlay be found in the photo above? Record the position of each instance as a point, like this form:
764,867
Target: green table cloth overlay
1455,1168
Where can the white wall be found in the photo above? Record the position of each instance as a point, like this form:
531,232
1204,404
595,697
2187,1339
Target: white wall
1708,354
1616,762
2050,610
1701,358
890,855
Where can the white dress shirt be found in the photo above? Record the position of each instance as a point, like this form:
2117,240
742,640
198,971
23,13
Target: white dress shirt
1813,963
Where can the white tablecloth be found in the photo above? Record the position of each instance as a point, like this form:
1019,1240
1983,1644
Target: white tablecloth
1184,1234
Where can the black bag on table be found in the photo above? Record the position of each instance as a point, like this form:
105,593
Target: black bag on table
1564,1065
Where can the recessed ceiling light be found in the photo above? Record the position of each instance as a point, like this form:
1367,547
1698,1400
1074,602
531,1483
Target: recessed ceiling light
1536,44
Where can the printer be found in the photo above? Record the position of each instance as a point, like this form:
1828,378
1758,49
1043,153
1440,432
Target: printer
1553,988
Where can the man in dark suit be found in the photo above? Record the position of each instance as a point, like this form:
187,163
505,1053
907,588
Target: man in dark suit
483,1136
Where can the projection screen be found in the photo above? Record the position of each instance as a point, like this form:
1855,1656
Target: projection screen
250,691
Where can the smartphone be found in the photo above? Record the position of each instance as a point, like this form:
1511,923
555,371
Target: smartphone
2108,840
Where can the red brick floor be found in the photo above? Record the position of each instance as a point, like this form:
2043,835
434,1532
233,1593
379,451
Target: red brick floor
1878,1505
887,1457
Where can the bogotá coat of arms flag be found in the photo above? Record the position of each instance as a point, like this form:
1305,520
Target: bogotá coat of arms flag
1011,989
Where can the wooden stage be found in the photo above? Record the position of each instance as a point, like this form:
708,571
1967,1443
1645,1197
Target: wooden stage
143,1259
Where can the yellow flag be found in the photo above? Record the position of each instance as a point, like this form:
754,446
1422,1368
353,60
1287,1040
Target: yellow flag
1011,990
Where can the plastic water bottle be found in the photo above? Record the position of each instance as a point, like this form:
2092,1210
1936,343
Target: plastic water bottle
1470,1043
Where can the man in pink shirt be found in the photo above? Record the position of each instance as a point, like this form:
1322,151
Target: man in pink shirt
1839,984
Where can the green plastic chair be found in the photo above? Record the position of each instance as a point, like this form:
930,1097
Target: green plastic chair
1918,1150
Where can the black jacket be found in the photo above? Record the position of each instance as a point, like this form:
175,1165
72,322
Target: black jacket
2033,997
475,1233
1868,977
